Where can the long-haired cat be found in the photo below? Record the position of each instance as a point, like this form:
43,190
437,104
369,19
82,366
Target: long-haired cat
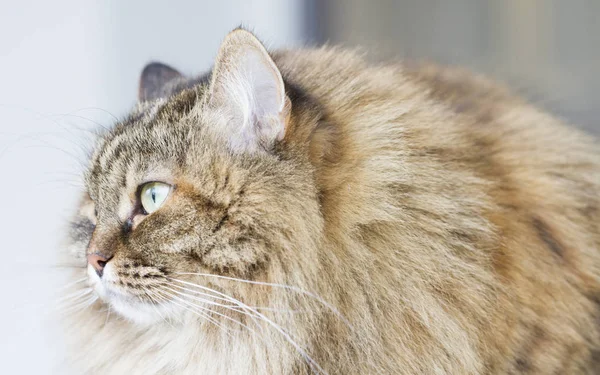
306,212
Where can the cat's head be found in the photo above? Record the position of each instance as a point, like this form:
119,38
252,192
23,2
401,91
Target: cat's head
208,179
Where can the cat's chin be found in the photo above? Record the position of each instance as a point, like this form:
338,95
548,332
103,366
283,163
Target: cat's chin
137,312
128,306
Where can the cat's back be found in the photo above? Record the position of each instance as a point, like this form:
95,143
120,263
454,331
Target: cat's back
455,119
502,194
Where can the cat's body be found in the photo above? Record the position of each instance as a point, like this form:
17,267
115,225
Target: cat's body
455,229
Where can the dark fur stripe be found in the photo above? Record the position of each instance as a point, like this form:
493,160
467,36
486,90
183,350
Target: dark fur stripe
545,234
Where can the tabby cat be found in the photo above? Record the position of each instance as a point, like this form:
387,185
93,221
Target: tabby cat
308,212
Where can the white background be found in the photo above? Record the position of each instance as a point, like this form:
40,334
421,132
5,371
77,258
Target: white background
65,65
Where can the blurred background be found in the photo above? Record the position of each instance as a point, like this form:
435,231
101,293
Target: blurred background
68,67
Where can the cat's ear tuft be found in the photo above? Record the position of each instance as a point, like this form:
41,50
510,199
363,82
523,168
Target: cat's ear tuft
248,86
155,80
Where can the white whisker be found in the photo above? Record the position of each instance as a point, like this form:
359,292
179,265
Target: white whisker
154,302
107,315
80,306
199,313
225,299
285,334
74,295
73,283
233,307
283,286
254,332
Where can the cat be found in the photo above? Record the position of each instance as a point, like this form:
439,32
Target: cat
307,212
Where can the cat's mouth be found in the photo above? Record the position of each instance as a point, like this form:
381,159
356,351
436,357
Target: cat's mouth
135,301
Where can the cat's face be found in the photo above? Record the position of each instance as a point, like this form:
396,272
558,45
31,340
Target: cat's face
190,189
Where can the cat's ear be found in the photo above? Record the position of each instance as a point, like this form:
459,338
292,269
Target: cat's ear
155,80
249,88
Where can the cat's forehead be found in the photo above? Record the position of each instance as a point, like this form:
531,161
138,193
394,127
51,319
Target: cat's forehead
154,138
142,151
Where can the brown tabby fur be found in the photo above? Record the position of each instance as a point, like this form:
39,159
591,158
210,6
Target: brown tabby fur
454,227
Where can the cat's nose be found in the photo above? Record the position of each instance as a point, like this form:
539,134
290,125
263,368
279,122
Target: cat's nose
98,262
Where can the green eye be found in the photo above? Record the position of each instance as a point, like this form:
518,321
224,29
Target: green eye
153,195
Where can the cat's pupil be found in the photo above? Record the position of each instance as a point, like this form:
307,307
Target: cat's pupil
153,195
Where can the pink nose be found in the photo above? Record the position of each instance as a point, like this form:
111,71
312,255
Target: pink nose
98,262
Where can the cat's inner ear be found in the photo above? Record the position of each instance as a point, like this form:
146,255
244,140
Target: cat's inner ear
249,88
155,81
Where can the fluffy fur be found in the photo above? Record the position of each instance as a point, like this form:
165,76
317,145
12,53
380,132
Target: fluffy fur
422,220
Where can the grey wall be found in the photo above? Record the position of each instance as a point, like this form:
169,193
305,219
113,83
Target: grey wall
548,50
